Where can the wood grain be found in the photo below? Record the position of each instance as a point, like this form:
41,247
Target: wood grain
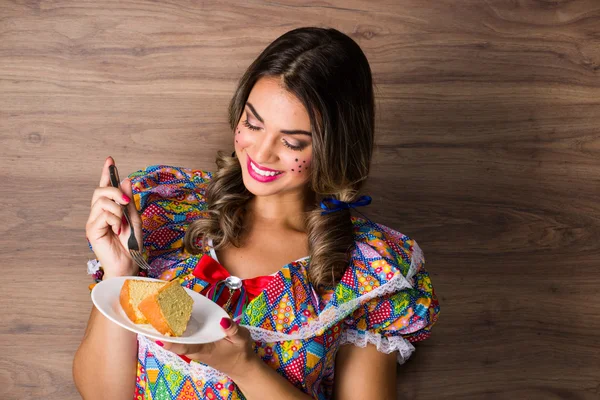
487,154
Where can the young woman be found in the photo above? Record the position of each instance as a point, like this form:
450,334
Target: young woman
330,301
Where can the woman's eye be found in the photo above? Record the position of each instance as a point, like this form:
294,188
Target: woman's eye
291,146
287,144
249,126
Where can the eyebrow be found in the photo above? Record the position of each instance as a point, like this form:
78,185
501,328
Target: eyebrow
288,132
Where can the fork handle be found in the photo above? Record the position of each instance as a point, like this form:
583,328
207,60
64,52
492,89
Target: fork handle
115,182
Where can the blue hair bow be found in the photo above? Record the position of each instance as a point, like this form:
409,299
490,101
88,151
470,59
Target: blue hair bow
337,205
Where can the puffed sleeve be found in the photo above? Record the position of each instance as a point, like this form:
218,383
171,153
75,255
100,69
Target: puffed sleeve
400,305
168,200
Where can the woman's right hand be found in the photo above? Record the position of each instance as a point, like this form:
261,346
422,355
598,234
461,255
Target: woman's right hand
106,228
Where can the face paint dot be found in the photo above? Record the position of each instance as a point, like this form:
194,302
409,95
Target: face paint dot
304,161
292,169
296,159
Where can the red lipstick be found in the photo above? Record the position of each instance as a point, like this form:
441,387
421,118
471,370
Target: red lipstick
262,178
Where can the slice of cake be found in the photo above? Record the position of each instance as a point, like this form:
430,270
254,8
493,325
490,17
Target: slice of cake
169,309
132,293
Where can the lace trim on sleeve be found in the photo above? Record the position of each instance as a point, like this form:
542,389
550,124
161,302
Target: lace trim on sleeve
384,344
194,369
418,256
334,314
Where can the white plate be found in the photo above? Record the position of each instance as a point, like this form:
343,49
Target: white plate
203,327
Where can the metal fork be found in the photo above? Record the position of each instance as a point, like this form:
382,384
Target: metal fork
132,244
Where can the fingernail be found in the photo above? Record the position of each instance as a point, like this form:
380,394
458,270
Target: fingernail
225,323
124,220
158,342
126,199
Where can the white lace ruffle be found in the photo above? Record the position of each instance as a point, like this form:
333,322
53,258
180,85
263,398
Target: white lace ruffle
384,344
93,266
193,369
334,314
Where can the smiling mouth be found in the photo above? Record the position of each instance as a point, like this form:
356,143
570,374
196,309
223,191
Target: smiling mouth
263,172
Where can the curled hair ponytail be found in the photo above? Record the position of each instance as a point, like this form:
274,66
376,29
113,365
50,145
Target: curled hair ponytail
330,241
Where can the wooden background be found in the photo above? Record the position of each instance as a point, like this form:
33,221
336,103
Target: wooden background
487,134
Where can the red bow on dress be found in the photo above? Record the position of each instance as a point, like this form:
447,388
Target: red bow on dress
209,270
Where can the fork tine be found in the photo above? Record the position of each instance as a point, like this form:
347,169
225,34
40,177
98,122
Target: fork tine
135,257
143,263
146,265
139,259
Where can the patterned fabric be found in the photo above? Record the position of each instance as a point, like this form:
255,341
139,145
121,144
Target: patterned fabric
385,297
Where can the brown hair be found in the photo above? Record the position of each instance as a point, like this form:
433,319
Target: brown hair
328,72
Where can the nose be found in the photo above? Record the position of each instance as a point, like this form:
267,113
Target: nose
264,149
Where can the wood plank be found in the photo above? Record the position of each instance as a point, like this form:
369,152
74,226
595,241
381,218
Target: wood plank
487,155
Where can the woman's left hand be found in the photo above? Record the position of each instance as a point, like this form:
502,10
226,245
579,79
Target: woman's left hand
230,355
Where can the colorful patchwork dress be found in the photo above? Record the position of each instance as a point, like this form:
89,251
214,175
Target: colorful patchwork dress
385,298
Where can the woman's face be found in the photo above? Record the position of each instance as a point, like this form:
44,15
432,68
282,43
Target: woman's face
273,141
